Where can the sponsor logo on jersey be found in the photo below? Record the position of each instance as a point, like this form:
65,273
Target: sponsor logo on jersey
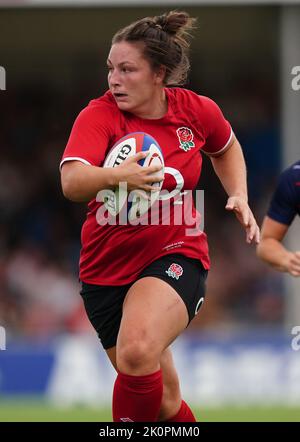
126,419
174,271
185,136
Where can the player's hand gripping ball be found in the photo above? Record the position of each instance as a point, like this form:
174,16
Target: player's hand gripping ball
138,202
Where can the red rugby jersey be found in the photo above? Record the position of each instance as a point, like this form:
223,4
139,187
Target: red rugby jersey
116,254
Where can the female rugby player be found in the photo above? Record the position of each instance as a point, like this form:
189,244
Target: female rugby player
143,284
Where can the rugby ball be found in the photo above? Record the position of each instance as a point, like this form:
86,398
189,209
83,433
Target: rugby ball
137,201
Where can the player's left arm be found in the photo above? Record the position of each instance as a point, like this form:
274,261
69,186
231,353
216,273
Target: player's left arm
231,169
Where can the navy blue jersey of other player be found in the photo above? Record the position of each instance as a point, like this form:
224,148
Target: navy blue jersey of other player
285,204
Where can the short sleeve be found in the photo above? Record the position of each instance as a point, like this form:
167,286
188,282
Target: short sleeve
283,207
90,136
217,130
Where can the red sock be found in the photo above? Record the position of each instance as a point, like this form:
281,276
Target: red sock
137,398
185,414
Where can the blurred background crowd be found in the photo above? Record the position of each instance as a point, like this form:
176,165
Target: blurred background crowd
55,63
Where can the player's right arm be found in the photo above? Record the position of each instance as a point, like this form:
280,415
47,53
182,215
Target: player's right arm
272,251
81,182
82,174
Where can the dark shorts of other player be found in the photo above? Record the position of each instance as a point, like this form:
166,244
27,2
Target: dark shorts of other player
103,303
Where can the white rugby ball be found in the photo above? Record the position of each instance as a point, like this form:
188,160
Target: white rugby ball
138,202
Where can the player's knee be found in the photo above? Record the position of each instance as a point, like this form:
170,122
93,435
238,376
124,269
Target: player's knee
136,355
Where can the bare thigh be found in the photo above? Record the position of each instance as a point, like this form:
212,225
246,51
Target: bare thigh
153,316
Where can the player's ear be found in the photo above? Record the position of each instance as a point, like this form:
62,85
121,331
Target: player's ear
160,74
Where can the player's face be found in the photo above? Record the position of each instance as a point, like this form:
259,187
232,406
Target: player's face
136,87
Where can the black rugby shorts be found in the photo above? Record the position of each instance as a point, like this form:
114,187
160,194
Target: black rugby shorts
103,304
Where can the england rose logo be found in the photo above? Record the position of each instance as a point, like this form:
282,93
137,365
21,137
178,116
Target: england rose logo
185,136
174,271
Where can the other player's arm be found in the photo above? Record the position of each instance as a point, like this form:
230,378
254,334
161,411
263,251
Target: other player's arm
231,169
272,251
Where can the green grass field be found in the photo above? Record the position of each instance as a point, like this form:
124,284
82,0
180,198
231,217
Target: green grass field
38,411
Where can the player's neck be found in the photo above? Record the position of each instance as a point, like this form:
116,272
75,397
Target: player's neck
156,108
